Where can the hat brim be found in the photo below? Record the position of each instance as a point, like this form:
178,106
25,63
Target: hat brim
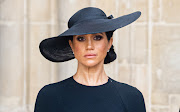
100,25
57,49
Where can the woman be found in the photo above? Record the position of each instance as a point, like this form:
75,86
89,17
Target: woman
89,40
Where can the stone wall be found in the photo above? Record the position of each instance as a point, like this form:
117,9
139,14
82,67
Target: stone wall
148,51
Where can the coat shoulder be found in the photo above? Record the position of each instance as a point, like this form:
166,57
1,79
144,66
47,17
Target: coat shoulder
132,97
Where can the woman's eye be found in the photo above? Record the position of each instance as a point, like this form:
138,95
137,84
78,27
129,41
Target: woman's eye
80,38
98,37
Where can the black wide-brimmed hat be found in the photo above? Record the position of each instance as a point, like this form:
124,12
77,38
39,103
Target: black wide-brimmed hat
88,20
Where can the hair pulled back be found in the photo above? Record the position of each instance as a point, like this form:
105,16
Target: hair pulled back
111,55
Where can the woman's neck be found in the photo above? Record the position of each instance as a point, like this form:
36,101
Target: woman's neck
91,76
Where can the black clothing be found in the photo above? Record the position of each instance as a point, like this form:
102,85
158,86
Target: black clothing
70,96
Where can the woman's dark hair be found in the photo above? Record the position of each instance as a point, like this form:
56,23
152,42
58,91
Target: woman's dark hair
111,55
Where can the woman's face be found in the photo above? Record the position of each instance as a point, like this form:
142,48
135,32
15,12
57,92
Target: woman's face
90,44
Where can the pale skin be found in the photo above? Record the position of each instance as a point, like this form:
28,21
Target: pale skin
90,71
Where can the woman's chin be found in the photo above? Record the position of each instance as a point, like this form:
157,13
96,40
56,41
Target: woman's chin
90,63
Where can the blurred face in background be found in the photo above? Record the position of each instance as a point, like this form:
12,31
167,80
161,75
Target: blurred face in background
90,49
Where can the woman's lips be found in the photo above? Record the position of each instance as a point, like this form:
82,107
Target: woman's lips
90,55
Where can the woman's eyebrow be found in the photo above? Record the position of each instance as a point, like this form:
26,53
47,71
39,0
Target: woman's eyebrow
85,34
78,35
100,33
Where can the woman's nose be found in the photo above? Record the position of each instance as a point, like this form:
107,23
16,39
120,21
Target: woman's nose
90,44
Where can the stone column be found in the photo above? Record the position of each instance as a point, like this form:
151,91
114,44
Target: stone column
12,56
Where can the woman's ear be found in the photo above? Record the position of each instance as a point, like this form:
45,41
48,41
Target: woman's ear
70,43
110,42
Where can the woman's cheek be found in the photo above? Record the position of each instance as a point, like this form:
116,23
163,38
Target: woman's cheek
79,50
102,47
